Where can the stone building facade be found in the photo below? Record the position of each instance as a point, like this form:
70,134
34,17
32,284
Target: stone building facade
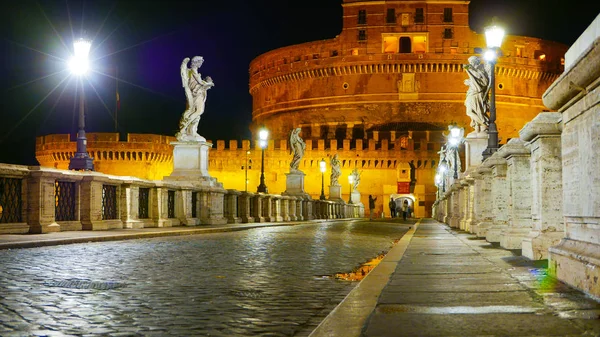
379,94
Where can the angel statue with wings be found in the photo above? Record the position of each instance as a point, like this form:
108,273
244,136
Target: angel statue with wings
477,95
297,147
195,93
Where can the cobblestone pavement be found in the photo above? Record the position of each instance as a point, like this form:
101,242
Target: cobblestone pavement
260,282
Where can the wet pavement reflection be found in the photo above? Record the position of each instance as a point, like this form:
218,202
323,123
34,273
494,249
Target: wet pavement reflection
264,281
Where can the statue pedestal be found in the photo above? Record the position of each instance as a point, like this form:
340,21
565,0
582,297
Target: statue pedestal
355,197
475,144
190,163
335,193
294,184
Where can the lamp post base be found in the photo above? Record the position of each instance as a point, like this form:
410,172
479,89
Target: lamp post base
81,162
488,152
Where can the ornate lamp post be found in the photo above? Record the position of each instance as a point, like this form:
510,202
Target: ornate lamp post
454,141
246,168
351,181
493,37
438,184
442,168
262,142
79,65
323,167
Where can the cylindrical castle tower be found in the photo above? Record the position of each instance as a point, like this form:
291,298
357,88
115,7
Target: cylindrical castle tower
397,65
395,75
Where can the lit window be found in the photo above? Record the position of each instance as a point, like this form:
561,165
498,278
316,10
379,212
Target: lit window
390,44
355,51
562,61
420,44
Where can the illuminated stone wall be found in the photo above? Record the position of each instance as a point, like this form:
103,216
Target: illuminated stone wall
383,163
142,155
346,88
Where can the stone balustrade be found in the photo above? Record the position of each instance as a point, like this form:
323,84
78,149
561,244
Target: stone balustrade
43,200
539,192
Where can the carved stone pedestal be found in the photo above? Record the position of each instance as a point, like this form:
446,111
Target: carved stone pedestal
294,184
475,144
335,193
190,161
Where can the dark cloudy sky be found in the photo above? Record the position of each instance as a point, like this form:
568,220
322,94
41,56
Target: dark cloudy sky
146,41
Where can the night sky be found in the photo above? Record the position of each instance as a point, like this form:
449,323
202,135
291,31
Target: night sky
145,41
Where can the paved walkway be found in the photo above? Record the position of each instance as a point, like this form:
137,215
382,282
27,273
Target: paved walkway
434,282
439,282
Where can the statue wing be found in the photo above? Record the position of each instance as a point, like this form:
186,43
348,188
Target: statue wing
185,79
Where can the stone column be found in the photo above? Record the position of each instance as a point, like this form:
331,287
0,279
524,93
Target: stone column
231,206
454,220
245,207
519,183
292,208
482,201
463,203
299,208
469,200
258,207
40,198
267,208
500,198
276,205
543,137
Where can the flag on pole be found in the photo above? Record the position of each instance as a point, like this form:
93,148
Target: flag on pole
118,102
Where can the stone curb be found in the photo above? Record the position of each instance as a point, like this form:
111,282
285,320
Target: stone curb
350,316
104,236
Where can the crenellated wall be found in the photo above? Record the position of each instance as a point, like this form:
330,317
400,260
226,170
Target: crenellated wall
144,156
383,161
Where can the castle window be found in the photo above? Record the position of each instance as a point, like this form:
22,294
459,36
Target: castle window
419,17
362,35
419,44
405,45
354,51
518,53
390,44
391,16
362,17
447,14
447,33
334,53
539,55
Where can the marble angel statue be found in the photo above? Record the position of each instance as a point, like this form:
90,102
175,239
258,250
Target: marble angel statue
355,179
476,101
297,147
195,93
335,170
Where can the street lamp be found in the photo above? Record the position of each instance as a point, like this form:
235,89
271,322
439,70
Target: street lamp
493,37
262,142
442,168
438,184
246,167
454,141
323,167
79,65
351,181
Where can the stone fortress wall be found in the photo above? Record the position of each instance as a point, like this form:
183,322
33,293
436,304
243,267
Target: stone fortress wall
391,66
144,156
383,162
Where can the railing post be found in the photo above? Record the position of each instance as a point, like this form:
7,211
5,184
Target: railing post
130,206
231,206
40,199
245,201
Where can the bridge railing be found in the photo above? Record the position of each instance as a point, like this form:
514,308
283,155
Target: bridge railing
40,200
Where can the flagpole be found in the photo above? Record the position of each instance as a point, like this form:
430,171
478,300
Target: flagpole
117,103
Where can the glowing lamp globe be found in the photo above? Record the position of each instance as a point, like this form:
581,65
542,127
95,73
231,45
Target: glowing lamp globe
322,165
494,36
263,135
79,63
